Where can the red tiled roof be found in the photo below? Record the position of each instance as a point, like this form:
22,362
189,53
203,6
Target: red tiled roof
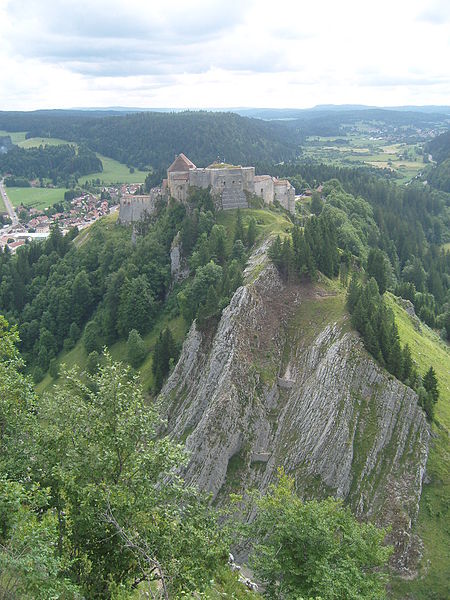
181,163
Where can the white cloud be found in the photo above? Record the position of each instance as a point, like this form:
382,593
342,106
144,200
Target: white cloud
212,53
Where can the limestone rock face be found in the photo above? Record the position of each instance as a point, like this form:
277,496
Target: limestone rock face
178,268
283,381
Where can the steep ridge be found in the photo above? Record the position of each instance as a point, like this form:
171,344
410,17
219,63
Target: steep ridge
283,381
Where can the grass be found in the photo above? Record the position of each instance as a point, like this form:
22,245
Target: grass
16,136
314,314
2,205
40,141
114,172
267,222
434,523
77,357
39,198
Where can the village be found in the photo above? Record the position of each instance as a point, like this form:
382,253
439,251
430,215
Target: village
83,210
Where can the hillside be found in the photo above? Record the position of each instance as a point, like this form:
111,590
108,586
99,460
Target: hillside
153,139
439,147
270,374
427,348
284,382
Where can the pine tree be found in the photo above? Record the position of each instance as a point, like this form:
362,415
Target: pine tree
251,232
407,364
274,252
430,384
353,293
239,228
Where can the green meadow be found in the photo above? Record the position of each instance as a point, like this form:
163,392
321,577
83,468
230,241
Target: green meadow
39,198
40,141
114,172
16,136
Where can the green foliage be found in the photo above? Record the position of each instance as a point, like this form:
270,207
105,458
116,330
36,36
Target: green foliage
104,463
145,139
29,567
306,549
251,232
308,250
316,203
91,337
164,355
57,163
378,268
136,349
92,362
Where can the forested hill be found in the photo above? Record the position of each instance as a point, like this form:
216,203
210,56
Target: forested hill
153,139
439,147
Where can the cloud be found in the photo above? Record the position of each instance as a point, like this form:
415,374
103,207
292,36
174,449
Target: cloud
108,33
436,13
216,53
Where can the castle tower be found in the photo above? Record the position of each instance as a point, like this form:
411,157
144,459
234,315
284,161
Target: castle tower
178,177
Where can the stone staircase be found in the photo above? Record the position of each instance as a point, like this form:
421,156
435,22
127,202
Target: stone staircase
233,199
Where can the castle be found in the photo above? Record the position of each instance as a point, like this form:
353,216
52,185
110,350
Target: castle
230,187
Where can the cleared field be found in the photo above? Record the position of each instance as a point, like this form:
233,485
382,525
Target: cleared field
114,172
16,136
405,160
39,141
35,197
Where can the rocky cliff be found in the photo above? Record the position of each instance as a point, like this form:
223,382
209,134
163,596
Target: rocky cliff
284,381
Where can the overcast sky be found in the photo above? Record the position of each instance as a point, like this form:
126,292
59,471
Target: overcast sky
223,53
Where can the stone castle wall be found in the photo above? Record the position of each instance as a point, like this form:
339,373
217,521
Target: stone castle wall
134,208
229,185
284,193
264,188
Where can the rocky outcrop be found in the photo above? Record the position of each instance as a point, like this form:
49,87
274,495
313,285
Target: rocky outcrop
283,381
178,267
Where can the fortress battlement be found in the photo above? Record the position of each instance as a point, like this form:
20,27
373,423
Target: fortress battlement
229,184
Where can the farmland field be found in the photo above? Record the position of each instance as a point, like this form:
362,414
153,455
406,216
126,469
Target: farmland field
362,149
16,136
114,172
39,141
39,198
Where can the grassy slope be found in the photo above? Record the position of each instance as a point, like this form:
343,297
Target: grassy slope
114,172
35,197
434,523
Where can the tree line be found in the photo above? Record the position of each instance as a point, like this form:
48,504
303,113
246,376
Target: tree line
409,225
152,139
57,163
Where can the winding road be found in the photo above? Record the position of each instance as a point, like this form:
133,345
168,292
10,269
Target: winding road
9,206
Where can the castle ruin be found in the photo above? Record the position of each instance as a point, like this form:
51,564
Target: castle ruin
230,186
